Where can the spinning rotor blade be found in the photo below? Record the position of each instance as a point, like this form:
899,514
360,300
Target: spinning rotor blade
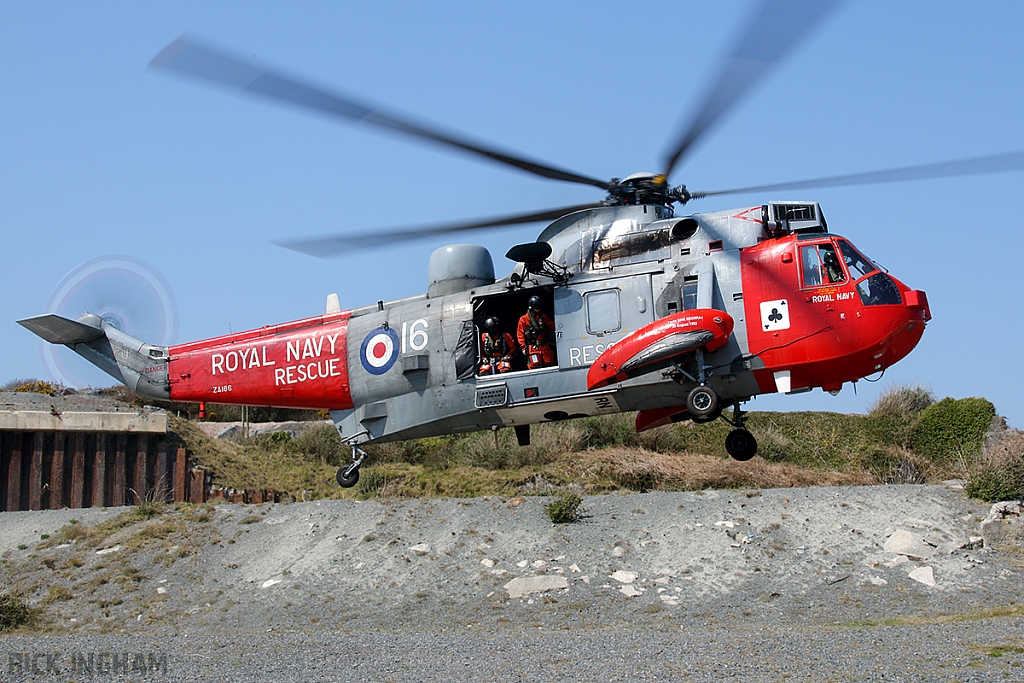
186,56
775,29
337,245
996,163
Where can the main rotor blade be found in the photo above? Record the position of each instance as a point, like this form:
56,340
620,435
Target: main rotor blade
191,58
775,28
337,245
995,163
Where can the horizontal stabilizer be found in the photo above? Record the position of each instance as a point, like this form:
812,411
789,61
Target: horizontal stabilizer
58,330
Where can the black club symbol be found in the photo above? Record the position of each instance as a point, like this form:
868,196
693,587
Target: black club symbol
775,316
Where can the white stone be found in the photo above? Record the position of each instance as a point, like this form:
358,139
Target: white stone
630,591
897,562
522,564
574,568
161,590
726,524
669,599
876,581
1004,509
923,575
528,585
622,576
487,562
663,580
499,572
902,542
270,582
107,551
538,564
586,580
420,548
618,551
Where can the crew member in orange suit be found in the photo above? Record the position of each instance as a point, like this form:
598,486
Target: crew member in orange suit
496,348
536,334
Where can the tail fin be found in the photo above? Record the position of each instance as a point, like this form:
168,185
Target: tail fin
141,367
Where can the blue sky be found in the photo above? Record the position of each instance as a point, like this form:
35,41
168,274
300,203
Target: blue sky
100,157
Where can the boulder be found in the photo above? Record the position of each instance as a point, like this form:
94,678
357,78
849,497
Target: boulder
1004,526
902,542
527,585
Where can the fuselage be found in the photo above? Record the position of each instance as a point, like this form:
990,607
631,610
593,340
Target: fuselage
809,310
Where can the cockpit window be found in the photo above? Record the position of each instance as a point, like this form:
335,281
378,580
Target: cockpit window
877,290
820,265
856,263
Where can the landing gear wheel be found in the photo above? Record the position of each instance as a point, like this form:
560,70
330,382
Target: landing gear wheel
348,480
741,445
702,403
708,418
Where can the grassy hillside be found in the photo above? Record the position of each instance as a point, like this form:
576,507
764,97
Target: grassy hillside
906,438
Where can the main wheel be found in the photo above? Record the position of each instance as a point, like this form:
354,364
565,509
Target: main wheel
714,415
702,403
349,481
741,445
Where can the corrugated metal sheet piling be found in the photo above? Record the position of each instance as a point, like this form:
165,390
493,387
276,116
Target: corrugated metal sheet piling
50,460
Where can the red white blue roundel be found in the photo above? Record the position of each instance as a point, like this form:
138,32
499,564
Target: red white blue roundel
379,350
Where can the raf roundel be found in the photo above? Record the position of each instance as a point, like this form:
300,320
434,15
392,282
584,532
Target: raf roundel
379,350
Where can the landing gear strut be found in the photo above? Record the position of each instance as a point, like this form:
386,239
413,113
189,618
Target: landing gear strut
740,444
348,476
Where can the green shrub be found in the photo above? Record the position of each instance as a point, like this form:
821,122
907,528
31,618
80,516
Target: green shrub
567,508
321,443
952,427
901,402
999,473
14,612
602,432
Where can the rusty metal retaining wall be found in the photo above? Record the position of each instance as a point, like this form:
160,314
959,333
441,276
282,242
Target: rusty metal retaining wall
53,469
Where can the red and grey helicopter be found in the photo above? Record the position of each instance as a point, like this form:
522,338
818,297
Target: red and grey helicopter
620,305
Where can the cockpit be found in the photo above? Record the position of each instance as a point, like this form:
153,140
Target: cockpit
834,262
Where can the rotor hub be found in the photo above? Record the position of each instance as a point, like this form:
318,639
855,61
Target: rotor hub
645,188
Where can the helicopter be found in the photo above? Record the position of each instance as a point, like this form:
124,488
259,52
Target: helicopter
675,317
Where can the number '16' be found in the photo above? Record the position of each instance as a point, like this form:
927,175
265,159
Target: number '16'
414,335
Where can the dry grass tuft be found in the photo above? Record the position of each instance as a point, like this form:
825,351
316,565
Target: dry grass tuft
640,470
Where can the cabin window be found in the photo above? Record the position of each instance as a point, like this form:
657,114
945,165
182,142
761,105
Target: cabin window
689,292
820,265
603,313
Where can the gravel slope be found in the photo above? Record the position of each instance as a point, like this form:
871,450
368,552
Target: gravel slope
757,585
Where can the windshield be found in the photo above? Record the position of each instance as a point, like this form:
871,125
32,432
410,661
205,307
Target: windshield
856,263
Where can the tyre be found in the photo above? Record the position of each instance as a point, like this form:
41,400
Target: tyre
709,418
741,445
702,403
349,481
